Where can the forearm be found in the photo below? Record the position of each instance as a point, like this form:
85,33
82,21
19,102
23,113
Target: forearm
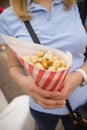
18,74
72,81
77,76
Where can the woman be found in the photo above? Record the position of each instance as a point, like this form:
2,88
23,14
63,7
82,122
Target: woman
57,24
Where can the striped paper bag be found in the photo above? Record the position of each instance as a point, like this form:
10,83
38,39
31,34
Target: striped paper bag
45,79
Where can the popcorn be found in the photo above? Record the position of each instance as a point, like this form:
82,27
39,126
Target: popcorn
46,61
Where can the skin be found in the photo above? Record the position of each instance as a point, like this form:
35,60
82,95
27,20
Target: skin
47,99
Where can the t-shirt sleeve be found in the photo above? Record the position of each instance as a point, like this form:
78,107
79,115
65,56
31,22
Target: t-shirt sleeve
2,29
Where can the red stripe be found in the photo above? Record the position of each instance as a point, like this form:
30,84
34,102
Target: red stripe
14,52
39,76
21,60
30,69
60,87
57,81
48,80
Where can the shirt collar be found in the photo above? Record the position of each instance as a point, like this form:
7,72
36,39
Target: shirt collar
36,7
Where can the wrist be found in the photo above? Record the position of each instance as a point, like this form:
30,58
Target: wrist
83,76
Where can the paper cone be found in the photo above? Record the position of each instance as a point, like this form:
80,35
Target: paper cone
44,79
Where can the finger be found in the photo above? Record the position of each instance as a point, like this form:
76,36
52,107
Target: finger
53,102
50,102
47,106
65,93
46,93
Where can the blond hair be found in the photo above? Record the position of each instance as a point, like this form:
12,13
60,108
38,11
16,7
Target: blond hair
19,7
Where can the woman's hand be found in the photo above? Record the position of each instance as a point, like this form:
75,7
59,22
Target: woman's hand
42,97
73,80
46,99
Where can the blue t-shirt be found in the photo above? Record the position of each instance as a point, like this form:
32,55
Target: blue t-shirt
61,29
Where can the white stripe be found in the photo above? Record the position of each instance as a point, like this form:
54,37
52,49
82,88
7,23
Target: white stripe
61,80
44,78
35,73
53,81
